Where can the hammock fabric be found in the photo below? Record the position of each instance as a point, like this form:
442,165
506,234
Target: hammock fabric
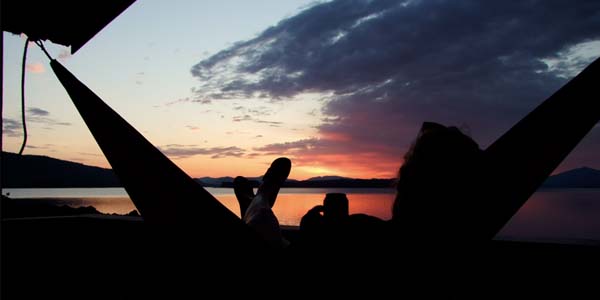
520,160
164,195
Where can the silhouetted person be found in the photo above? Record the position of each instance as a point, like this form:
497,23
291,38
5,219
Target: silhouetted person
437,199
325,223
335,206
438,195
330,227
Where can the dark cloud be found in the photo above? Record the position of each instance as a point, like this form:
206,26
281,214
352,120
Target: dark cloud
184,151
44,146
180,100
40,116
255,120
12,128
254,155
242,118
311,147
37,112
89,154
288,147
255,111
260,111
200,100
49,122
48,147
387,65
179,145
64,54
271,123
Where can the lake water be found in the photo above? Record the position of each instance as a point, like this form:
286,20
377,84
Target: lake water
564,215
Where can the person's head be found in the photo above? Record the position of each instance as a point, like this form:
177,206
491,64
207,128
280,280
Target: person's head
438,171
335,206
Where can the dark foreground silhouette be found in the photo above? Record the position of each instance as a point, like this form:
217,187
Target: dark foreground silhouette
456,192
186,230
48,207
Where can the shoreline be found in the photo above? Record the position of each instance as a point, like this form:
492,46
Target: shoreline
55,206
47,207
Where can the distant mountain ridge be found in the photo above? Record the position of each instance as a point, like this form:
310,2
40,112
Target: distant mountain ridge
577,178
325,178
214,182
34,171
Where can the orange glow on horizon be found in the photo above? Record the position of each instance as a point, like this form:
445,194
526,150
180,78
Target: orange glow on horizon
346,165
335,136
364,165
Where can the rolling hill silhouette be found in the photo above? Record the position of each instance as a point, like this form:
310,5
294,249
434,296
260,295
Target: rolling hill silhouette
577,178
34,171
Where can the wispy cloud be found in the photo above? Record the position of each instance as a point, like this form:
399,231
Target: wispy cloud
41,116
48,147
11,128
90,154
271,123
256,111
200,100
14,128
256,120
185,151
242,118
37,112
289,147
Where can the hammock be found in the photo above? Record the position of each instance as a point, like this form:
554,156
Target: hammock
164,195
521,159
516,164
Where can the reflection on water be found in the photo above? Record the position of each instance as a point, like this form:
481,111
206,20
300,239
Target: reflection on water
108,205
550,214
290,208
291,203
558,215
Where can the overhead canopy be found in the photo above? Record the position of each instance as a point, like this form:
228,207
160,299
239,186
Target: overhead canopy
69,23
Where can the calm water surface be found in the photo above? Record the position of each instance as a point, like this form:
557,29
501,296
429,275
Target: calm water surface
566,215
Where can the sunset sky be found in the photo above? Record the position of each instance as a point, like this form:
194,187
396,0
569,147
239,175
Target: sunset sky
341,87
